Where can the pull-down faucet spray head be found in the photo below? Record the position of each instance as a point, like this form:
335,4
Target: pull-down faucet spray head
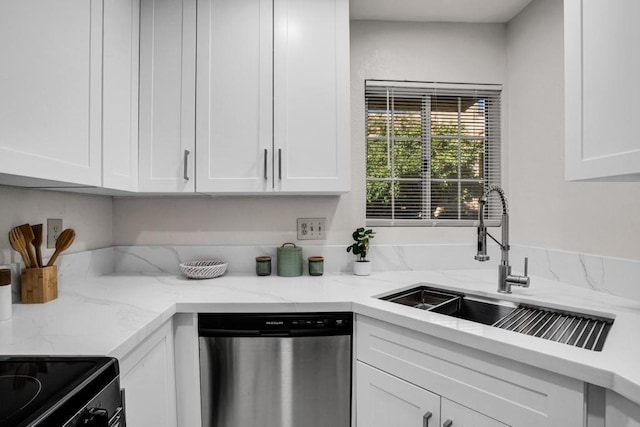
482,232
482,229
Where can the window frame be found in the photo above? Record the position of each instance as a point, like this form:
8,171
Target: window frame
492,150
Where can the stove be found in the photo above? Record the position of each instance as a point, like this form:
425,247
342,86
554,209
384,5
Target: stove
60,391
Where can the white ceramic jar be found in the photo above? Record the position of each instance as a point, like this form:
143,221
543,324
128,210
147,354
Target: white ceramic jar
5,294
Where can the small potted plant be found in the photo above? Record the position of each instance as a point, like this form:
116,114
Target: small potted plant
362,237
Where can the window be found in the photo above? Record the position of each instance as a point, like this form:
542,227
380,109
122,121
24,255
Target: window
432,149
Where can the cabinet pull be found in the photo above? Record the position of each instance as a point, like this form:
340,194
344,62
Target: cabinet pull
447,423
186,163
265,164
425,419
279,163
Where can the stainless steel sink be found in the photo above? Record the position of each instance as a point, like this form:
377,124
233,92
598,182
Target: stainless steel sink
576,329
422,297
487,313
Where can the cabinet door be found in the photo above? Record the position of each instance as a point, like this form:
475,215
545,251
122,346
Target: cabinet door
602,65
455,415
621,412
148,378
234,97
311,96
50,86
120,95
167,95
383,400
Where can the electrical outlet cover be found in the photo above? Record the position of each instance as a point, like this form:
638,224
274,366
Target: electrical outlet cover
54,228
312,228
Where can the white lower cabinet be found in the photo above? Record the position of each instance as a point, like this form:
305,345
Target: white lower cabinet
621,412
147,375
456,415
403,376
387,401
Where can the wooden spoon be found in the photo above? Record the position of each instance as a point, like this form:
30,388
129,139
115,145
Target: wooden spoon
37,242
19,244
27,232
65,239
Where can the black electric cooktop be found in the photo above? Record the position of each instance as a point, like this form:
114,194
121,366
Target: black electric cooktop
47,390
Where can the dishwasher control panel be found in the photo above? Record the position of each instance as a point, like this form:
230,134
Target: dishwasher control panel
283,324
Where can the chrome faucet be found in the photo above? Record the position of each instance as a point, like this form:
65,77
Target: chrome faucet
505,278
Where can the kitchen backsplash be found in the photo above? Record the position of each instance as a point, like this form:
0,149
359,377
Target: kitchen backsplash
610,275
166,259
614,276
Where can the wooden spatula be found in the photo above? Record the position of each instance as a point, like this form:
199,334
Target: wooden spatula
65,239
27,232
37,242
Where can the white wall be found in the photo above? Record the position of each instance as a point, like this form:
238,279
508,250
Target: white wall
89,216
458,53
382,50
526,55
593,218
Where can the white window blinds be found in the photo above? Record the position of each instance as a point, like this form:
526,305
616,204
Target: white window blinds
432,149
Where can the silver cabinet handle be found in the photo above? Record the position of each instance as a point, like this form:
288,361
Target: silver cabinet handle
279,163
265,163
447,423
425,419
186,164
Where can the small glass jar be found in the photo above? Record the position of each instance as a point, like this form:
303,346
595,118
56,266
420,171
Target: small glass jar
263,266
316,265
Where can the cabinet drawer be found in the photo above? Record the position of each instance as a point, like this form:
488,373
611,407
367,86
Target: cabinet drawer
515,393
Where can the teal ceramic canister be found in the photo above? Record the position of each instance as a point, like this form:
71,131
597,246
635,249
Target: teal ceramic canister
289,260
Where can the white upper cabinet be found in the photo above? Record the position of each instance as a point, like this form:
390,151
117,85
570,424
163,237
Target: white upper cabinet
273,97
104,94
51,90
120,95
602,65
234,96
167,95
311,96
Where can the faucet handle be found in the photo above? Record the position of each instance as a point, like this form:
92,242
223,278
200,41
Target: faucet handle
523,280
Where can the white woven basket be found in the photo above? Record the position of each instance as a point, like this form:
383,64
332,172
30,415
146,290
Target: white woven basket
203,269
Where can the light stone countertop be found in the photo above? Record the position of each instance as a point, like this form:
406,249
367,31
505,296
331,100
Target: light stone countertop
110,315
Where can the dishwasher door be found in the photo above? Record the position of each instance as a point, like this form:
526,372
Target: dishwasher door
275,381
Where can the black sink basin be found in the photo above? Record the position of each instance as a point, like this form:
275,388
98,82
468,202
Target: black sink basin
475,311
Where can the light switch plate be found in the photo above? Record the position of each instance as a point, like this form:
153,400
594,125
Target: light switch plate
311,228
54,228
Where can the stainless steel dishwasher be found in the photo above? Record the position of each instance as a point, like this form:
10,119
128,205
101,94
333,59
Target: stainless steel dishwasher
275,370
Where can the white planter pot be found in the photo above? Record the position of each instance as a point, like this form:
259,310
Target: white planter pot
362,268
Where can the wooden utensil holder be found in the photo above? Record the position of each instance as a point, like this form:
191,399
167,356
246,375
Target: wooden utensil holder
39,284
